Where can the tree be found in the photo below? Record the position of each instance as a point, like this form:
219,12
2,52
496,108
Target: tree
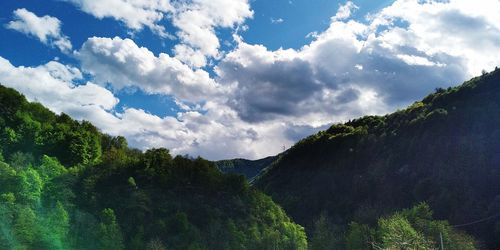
110,235
323,236
359,237
25,227
30,186
396,232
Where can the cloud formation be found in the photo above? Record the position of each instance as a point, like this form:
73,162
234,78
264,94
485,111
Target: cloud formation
121,63
135,14
216,134
195,20
355,68
345,11
46,29
260,100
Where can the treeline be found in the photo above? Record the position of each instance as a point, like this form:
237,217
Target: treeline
65,185
248,168
443,150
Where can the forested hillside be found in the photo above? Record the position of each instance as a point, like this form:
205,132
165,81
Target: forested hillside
248,168
372,183
443,150
65,185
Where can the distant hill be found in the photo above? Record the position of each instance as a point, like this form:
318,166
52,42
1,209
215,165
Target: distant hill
444,150
248,168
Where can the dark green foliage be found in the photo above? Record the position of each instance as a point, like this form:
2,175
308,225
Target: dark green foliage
249,169
443,150
187,203
326,236
65,185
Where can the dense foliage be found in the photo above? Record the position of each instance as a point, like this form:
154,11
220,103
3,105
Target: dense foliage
65,185
407,229
443,150
248,168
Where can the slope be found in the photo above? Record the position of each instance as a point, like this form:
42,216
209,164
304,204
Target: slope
65,185
444,150
247,168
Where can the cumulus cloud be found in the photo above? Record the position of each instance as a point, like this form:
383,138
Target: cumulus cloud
216,133
47,29
345,11
121,63
196,21
462,29
51,84
135,14
355,68
259,99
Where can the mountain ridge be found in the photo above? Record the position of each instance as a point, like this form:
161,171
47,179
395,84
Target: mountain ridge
442,150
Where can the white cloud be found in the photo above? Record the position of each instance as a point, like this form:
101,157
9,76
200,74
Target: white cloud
276,20
47,29
215,134
469,30
121,63
262,99
51,84
196,21
418,60
135,14
345,11
355,68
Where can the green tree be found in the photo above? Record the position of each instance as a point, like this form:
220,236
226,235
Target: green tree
110,235
26,227
359,237
396,232
323,236
31,185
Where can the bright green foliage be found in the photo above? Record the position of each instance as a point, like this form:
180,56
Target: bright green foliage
50,168
65,185
409,229
397,233
30,184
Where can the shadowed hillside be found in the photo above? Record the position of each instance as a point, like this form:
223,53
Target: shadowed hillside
248,168
444,150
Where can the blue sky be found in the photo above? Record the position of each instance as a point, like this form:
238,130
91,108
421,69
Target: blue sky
238,78
299,18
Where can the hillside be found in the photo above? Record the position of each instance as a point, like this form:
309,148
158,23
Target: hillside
247,168
65,185
443,150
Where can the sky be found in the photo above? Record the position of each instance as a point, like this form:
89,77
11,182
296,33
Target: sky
239,78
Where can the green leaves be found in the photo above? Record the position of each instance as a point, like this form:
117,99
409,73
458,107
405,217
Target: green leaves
67,186
409,229
109,233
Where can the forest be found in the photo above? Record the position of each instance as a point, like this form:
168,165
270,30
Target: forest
442,150
65,185
400,181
